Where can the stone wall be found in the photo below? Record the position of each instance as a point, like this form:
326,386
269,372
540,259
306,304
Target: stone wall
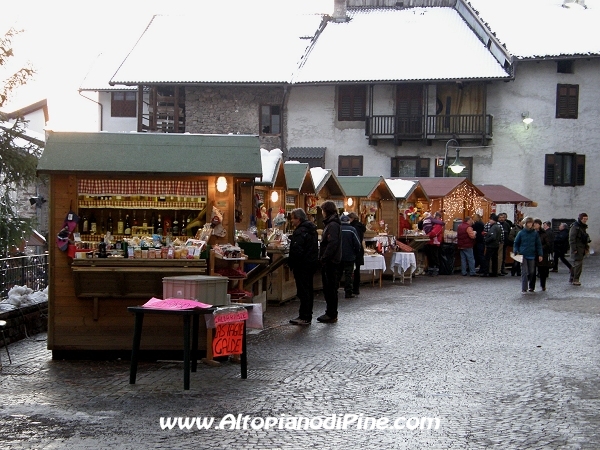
230,109
24,322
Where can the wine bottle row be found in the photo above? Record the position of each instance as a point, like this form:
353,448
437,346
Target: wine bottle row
128,222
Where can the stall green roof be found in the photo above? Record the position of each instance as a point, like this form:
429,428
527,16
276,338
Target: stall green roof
298,178
181,154
359,186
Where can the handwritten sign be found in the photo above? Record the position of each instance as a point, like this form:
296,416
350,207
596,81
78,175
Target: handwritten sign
228,339
229,333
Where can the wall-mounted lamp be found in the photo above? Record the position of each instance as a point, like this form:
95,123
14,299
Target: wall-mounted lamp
274,196
221,184
350,201
526,119
456,167
37,201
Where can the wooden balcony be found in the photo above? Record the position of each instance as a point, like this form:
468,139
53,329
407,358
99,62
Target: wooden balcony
439,127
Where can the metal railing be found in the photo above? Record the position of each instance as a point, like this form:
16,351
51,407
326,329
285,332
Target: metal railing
30,271
427,127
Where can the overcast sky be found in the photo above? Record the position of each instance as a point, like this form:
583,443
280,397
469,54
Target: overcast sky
62,38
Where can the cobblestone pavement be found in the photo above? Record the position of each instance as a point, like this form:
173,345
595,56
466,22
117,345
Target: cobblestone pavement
498,368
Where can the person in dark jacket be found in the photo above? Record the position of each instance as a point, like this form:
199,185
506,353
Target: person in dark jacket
506,226
360,259
330,256
528,244
350,250
579,241
303,259
543,266
479,247
492,239
561,247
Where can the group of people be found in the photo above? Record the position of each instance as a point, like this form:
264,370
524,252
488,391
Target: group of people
485,246
483,250
341,253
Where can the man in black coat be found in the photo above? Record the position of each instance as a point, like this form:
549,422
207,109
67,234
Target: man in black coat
561,247
330,256
303,260
360,259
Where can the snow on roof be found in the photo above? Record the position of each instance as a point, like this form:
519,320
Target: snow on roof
318,174
400,188
270,161
405,44
542,28
224,48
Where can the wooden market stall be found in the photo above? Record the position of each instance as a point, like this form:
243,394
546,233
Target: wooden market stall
134,177
502,199
327,187
375,204
455,197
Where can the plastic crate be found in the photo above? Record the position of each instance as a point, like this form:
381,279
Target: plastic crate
204,288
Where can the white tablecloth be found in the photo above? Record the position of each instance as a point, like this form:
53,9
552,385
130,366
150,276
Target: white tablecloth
406,261
375,262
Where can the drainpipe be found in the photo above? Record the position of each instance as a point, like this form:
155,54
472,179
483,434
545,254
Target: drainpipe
101,109
284,118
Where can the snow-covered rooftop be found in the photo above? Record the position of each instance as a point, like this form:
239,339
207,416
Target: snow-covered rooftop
542,28
226,48
405,44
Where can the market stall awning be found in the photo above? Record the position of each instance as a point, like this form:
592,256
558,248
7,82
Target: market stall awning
181,154
404,189
436,187
366,187
325,180
298,177
497,193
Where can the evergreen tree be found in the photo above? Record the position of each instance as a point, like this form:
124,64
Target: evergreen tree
18,156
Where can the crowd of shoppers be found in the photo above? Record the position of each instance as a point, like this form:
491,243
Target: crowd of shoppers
483,249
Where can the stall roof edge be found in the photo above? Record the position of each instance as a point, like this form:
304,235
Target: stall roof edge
101,152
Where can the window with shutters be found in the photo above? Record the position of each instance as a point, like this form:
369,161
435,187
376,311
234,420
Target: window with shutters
350,165
466,173
567,101
123,104
270,119
352,102
407,166
565,169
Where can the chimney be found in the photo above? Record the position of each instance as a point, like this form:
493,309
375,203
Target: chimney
339,11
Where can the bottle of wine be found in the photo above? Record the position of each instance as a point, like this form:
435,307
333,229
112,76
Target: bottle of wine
135,221
145,221
102,223
93,223
188,221
167,226
85,224
159,226
109,223
120,224
175,225
127,230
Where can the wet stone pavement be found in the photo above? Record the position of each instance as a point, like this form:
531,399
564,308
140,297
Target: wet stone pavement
498,368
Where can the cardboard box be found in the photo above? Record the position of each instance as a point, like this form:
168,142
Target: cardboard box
204,288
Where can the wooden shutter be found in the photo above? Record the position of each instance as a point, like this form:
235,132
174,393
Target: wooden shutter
350,165
423,167
352,102
580,170
567,101
550,170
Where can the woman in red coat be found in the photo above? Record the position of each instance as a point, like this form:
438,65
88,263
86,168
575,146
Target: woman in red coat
432,249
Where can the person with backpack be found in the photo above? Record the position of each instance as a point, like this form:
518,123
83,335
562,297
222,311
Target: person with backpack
303,260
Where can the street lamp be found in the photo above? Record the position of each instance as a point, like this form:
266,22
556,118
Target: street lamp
456,167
